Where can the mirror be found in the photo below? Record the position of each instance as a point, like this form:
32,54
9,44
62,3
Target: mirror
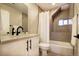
25,22
14,14
4,20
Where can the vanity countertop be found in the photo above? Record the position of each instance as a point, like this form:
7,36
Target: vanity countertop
10,38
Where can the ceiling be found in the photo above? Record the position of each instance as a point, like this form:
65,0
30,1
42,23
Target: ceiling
44,6
20,6
49,6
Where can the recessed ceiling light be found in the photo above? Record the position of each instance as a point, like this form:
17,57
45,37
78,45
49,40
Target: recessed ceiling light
53,3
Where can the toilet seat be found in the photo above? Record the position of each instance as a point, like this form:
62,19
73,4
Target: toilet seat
44,46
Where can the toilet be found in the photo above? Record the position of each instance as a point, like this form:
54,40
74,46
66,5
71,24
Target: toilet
44,47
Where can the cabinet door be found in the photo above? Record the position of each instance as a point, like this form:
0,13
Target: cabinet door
34,46
16,48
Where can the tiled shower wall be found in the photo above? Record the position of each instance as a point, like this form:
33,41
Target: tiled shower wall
61,33
61,36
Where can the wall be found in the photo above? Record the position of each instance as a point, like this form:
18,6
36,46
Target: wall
65,14
71,10
76,30
15,15
63,33
77,11
33,17
51,22
5,18
0,25
62,15
63,30
25,22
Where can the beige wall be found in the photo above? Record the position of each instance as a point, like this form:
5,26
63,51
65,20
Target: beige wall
51,22
5,18
25,22
71,10
15,15
76,30
62,15
63,30
76,8
33,18
68,13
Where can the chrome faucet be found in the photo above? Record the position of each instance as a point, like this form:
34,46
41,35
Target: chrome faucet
17,31
13,31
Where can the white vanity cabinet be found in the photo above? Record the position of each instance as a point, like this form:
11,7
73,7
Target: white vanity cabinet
34,46
21,47
14,48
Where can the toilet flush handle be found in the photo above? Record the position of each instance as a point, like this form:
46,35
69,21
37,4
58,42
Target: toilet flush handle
77,36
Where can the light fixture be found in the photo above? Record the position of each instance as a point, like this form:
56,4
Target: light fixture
53,3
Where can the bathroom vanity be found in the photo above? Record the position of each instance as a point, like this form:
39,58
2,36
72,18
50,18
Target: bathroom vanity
22,45
12,41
